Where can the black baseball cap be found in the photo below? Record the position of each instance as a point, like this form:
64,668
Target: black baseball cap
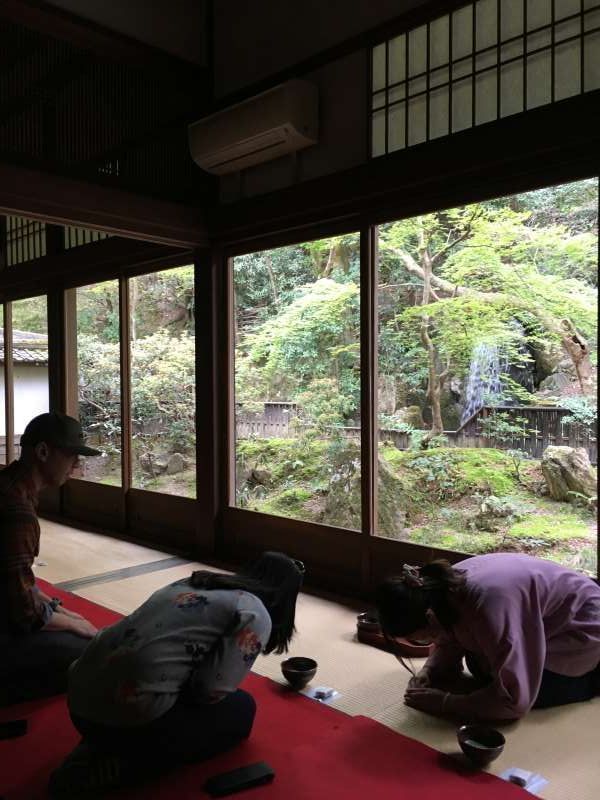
58,430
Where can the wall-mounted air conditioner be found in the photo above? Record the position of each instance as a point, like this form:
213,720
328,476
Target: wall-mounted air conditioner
276,122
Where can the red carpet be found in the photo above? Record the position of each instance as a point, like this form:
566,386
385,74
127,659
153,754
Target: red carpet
316,752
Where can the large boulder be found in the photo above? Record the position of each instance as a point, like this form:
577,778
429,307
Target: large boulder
548,357
557,382
176,463
410,415
568,473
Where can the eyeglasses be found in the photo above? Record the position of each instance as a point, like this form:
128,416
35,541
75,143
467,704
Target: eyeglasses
299,565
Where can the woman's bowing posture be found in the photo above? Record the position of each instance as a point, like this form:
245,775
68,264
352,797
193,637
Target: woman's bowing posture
160,687
529,631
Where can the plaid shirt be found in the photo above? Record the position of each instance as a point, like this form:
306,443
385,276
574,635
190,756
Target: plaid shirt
21,608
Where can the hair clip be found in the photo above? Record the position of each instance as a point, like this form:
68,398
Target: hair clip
410,575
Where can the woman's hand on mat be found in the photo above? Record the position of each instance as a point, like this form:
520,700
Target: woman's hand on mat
425,699
421,680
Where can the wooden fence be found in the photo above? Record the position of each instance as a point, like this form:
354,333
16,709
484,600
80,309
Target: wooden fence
543,426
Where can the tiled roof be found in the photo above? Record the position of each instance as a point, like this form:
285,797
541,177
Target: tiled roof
28,347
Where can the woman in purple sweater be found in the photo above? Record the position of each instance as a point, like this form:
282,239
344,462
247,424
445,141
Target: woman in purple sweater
528,629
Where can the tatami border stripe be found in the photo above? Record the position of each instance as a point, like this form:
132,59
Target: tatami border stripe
125,572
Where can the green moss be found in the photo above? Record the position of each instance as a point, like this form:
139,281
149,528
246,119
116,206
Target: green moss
465,542
560,526
288,503
301,460
485,469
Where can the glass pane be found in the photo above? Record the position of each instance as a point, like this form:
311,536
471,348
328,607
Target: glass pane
99,381
511,22
417,51
567,67
539,74
397,59
378,67
438,113
30,361
439,42
297,381
417,120
163,396
511,88
592,61
479,376
486,22
539,12
462,105
397,127
378,133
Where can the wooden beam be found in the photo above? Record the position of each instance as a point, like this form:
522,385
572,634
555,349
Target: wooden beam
551,144
9,399
101,260
65,201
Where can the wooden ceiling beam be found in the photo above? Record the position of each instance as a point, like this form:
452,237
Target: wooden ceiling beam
65,201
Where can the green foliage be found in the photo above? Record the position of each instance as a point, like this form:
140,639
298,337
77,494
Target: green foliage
583,408
437,473
499,425
517,457
315,338
99,388
30,315
163,386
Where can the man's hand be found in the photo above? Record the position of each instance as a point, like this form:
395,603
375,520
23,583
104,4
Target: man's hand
81,627
59,621
431,701
72,614
421,680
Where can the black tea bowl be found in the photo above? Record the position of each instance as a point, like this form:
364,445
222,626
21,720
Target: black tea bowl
298,671
480,743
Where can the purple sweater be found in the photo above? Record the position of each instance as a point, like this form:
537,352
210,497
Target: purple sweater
519,616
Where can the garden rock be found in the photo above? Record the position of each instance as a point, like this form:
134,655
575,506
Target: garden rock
493,514
175,464
260,477
160,464
568,473
547,356
555,382
151,465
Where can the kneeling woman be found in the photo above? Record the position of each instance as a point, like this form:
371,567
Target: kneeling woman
528,629
160,687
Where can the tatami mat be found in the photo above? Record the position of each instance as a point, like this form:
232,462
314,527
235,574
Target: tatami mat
561,744
67,553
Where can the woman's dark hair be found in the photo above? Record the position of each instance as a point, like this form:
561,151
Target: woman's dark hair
402,603
276,580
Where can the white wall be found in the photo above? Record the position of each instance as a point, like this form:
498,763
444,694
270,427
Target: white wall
31,395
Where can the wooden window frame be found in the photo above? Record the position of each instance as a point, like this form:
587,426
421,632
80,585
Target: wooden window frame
342,560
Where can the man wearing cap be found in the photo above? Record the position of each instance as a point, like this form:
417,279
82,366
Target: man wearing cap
39,638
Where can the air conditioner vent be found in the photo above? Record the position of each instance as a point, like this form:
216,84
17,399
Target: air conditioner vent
265,127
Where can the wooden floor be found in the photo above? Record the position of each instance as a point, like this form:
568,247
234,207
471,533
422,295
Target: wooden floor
561,744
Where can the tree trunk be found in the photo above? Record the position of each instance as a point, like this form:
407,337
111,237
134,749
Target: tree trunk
435,380
269,263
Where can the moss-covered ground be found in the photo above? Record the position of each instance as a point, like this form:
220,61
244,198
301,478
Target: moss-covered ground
432,497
